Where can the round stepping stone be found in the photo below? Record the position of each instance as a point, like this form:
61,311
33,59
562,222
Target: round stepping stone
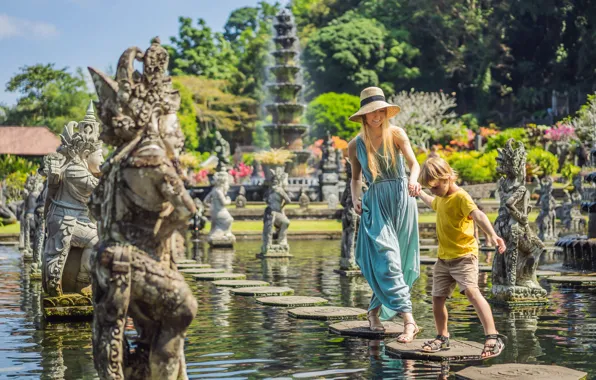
200,270
292,301
192,265
219,276
486,249
348,273
485,268
429,247
328,313
459,351
427,260
264,291
186,261
240,283
574,280
361,329
520,372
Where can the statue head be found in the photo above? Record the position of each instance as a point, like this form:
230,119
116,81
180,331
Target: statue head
279,177
136,105
511,161
80,142
222,180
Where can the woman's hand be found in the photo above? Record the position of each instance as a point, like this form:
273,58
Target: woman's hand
414,188
357,206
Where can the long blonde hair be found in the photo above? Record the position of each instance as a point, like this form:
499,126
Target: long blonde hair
371,152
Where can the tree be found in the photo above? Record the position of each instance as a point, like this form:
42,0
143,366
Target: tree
199,51
424,115
49,96
330,112
353,52
187,115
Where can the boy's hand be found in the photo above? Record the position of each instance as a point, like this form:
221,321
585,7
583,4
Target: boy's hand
499,242
414,188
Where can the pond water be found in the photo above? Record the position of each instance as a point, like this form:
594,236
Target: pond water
233,337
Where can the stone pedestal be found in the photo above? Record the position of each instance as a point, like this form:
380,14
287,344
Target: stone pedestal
67,306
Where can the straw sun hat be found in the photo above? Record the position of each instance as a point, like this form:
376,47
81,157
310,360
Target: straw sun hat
372,99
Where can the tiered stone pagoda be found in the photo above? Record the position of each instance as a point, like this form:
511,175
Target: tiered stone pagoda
286,131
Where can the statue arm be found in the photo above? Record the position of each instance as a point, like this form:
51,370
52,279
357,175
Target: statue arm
173,191
517,214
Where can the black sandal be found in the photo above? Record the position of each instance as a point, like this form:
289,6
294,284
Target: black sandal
493,350
440,343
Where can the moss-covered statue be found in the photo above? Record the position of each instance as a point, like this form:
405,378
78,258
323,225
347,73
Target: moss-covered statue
143,207
514,272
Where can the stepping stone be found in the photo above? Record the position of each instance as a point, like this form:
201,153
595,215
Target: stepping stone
274,255
574,280
348,273
520,372
485,268
192,265
292,301
429,247
200,270
361,329
186,261
460,351
264,291
240,283
219,276
547,273
427,260
487,249
328,313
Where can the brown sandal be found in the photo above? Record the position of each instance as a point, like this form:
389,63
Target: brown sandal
440,343
377,328
400,338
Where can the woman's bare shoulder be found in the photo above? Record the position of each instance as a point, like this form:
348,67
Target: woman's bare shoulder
353,142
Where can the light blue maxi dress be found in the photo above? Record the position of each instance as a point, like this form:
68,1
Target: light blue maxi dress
387,250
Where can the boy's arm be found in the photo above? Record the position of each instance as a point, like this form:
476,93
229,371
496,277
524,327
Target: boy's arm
426,198
482,221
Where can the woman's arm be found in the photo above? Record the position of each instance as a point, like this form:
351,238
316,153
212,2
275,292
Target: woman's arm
401,139
356,183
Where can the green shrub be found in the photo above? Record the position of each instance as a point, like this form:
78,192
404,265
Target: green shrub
13,164
546,161
330,112
499,140
569,171
474,167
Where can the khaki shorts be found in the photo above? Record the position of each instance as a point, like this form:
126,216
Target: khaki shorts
446,273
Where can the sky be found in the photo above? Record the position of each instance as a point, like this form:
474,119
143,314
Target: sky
82,33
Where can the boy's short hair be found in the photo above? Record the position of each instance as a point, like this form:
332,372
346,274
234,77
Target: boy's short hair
434,169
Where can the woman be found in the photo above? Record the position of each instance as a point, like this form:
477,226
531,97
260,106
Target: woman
387,250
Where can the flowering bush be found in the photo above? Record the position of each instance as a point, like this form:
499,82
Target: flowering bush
560,132
241,172
546,161
201,177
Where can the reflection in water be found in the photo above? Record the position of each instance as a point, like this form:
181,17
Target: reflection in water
221,258
235,337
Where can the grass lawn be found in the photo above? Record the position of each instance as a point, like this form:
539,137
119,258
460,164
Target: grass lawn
10,229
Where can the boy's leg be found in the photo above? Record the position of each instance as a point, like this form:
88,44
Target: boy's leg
441,315
482,309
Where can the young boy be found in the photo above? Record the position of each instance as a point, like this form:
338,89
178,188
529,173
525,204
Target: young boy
458,253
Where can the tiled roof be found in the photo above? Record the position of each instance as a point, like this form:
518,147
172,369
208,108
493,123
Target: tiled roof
27,141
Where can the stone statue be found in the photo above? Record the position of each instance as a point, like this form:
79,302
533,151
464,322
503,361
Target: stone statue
142,207
514,271
222,150
7,216
329,177
33,188
303,200
241,198
71,233
274,216
221,220
349,226
546,220
570,214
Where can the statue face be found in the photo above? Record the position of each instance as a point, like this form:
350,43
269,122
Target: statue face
172,136
94,161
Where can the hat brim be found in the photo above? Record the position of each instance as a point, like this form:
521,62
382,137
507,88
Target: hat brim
392,110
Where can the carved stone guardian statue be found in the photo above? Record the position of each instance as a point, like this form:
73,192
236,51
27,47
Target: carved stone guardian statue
33,188
275,218
546,220
222,150
142,207
349,223
221,220
514,271
303,200
71,233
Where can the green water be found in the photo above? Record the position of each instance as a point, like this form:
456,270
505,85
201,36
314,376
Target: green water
233,337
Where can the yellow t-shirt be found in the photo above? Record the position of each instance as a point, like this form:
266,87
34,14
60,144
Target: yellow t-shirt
455,227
